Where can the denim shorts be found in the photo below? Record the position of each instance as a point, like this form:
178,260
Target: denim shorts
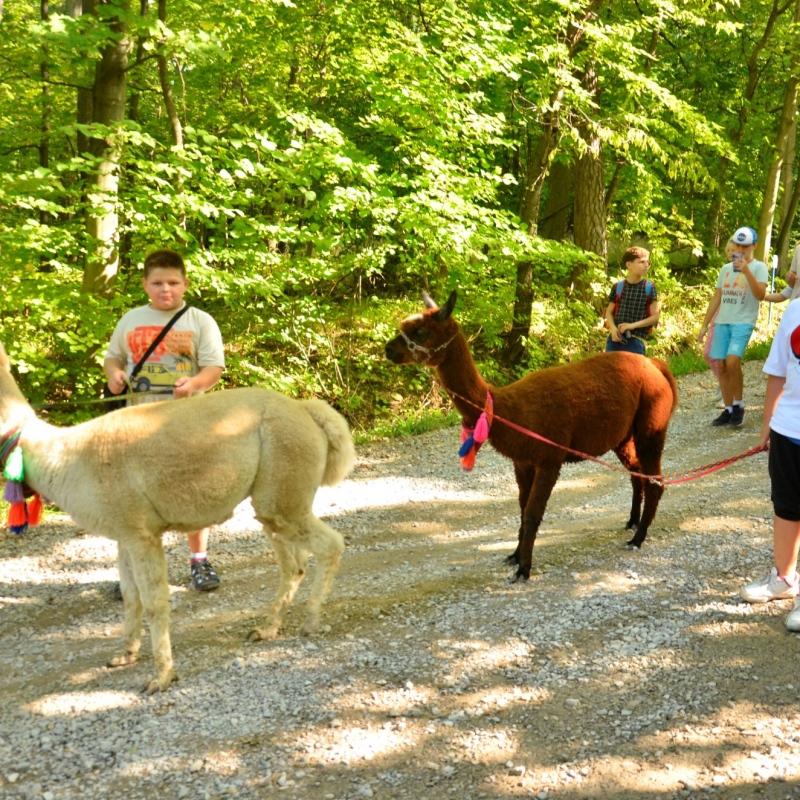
730,339
632,345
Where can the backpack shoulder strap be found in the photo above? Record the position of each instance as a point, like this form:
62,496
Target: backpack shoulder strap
157,341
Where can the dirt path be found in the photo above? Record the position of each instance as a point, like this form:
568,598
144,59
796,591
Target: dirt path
611,674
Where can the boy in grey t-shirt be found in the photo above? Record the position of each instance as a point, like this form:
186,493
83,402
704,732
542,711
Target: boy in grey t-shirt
190,359
741,286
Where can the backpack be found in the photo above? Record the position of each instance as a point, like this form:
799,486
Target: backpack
620,288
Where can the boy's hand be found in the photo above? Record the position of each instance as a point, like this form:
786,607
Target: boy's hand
791,277
183,387
118,381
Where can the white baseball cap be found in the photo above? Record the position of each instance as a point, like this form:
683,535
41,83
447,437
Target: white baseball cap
744,236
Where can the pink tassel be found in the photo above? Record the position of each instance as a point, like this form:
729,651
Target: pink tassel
481,429
473,438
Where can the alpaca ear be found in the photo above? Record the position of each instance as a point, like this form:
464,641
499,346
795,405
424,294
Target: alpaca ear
429,301
4,362
444,313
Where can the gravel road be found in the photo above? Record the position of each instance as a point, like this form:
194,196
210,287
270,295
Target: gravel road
611,674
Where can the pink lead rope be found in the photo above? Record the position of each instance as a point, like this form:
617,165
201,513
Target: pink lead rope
473,438
472,442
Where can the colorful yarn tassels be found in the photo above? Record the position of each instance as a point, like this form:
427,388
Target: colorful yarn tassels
473,438
20,513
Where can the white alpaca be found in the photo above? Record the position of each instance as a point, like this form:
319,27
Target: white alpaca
138,472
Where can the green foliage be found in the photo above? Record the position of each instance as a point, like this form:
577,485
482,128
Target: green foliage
338,159
686,363
417,422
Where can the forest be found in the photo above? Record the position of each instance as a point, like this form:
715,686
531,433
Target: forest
321,164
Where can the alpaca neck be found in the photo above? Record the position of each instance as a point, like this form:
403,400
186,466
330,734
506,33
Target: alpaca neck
40,441
460,376
14,408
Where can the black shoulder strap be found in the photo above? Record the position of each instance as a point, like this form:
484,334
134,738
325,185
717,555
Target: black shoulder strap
157,341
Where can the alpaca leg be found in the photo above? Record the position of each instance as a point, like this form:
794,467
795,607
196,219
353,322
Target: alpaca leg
132,610
292,561
525,474
545,480
626,452
145,556
650,458
327,545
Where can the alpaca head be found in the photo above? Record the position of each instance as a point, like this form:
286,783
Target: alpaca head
424,337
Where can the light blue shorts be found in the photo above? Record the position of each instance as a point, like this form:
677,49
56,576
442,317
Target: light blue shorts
730,339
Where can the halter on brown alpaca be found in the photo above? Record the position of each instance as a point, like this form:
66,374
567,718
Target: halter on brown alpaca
611,401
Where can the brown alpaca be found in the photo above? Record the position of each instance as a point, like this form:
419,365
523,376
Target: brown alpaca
611,401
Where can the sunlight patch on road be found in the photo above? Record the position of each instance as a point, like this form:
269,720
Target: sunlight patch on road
71,704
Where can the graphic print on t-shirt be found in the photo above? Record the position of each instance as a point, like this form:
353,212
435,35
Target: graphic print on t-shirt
734,291
171,359
794,341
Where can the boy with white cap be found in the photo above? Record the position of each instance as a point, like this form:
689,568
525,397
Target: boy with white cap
741,286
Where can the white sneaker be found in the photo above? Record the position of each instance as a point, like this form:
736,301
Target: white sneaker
793,620
769,588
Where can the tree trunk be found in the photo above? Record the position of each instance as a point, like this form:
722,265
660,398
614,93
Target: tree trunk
102,221
141,50
590,206
755,64
45,264
47,106
770,201
556,211
782,245
166,86
785,124
590,194
787,218
537,166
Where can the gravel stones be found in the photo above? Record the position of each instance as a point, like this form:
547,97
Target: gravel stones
610,674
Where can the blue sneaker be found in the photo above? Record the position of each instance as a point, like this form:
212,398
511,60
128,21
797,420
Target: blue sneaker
204,579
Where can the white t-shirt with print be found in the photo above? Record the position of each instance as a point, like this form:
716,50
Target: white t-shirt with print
784,361
192,343
738,304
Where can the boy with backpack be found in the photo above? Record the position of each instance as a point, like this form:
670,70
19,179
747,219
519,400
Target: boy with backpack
633,305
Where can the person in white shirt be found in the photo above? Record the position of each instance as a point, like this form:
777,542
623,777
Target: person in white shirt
781,429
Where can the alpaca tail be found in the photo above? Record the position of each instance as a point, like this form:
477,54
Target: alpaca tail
673,384
341,453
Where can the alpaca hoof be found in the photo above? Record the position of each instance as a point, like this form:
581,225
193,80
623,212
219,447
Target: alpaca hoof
309,627
124,660
160,684
262,634
511,560
633,545
632,525
521,575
